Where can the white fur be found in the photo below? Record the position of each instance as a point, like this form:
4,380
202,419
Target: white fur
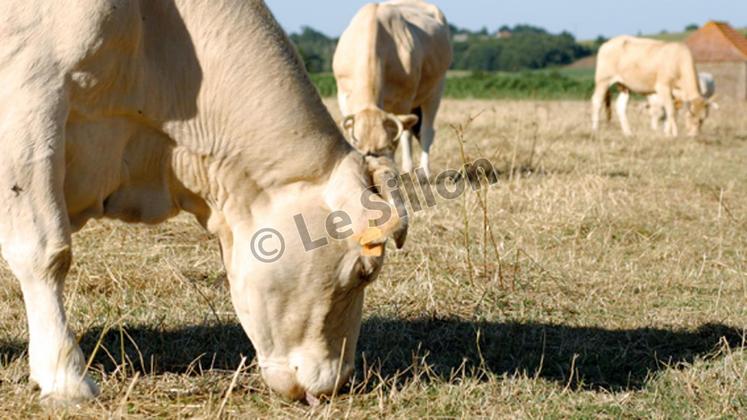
138,110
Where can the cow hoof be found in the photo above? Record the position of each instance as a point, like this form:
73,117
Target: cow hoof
72,393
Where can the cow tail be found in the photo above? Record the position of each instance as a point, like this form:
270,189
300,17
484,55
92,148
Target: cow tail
608,104
418,127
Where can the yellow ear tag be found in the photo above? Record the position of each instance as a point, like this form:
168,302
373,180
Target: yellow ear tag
370,235
373,251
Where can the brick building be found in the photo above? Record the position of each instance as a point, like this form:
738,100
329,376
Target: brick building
722,51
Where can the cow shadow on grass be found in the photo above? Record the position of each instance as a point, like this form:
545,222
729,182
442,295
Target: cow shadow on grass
581,357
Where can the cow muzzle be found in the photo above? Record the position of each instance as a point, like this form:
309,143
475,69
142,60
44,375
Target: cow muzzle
304,380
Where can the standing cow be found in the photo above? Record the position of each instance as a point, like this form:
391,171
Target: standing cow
139,109
648,66
390,66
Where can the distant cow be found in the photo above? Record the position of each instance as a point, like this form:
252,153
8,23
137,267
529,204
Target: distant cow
390,66
655,106
648,66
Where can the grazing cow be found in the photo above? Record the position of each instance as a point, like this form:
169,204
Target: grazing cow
390,66
139,109
655,106
648,66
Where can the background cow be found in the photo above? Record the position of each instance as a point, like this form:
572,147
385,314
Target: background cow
390,66
648,66
137,110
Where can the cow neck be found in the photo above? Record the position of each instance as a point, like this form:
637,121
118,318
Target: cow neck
258,109
691,84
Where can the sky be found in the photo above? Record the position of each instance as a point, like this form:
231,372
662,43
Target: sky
586,19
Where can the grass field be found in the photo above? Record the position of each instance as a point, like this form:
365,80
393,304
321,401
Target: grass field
600,277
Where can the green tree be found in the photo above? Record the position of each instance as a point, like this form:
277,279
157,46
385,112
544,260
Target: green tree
529,47
315,48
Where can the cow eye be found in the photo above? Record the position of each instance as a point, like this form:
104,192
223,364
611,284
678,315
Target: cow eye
367,269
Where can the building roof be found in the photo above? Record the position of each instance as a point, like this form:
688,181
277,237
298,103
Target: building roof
717,41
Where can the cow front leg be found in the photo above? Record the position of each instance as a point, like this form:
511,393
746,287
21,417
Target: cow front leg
427,135
56,362
35,237
406,141
428,131
670,122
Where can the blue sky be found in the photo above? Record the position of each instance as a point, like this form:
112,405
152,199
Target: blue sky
584,18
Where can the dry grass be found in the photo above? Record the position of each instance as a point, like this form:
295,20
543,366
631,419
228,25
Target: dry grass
620,290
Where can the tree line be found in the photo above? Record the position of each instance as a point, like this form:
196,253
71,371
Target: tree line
522,47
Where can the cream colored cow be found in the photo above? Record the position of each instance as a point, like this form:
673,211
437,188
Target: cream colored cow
390,66
139,109
648,66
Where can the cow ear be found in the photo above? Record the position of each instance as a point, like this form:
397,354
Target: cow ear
347,122
386,180
372,200
408,121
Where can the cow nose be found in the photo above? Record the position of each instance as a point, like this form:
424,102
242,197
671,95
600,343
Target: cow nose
300,379
283,381
322,378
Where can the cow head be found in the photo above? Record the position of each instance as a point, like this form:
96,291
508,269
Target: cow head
376,132
298,289
697,112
